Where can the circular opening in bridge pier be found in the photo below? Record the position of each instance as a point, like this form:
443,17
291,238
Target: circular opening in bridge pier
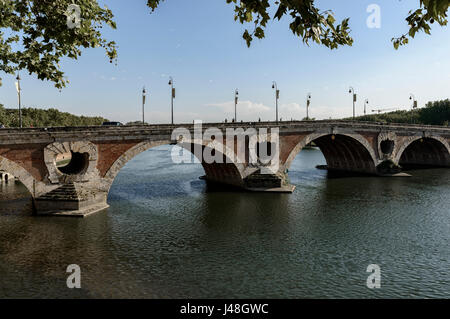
387,147
72,163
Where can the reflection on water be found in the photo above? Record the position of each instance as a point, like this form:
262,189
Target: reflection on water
167,236
14,199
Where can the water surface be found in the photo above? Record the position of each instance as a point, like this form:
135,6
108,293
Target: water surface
167,236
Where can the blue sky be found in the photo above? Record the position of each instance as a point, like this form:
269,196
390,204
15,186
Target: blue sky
198,43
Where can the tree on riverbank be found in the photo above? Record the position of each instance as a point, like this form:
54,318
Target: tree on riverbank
33,117
36,35
434,113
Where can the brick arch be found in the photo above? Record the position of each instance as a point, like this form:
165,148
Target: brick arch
348,151
434,146
228,172
20,173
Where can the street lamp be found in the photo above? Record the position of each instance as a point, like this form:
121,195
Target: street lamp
308,103
172,95
413,98
352,91
414,106
18,88
236,99
366,102
277,96
143,105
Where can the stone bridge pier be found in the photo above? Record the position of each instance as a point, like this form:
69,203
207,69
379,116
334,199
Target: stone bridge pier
97,154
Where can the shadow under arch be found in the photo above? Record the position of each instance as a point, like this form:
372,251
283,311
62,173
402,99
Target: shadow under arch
228,172
343,152
424,152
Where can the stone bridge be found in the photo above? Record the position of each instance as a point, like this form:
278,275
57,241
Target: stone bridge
98,153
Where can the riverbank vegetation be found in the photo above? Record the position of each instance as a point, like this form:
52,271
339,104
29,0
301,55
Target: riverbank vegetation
32,117
434,113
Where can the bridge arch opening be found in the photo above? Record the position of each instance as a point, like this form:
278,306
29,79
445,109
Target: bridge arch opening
224,172
15,196
342,152
20,174
222,169
425,152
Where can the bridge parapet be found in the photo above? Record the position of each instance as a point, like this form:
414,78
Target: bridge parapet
97,133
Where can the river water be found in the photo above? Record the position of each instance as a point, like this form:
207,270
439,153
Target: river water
167,236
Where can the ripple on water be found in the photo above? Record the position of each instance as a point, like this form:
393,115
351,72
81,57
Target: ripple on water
166,236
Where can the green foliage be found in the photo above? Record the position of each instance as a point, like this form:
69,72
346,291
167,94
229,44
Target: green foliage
310,23
34,35
32,117
420,20
307,21
434,113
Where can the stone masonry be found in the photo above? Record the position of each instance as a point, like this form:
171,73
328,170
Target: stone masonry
98,153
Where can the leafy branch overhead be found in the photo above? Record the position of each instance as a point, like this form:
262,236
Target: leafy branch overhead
420,20
34,36
311,24
308,23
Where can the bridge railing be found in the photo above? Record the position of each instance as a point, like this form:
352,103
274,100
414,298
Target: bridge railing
281,124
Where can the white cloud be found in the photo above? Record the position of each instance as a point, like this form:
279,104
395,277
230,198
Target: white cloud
246,110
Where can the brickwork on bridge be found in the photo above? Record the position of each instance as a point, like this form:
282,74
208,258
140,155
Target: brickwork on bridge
99,153
29,156
109,152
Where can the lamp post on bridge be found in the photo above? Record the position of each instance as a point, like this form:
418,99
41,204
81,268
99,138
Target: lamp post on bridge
352,91
308,103
366,102
236,99
277,96
19,90
172,96
143,105
413,98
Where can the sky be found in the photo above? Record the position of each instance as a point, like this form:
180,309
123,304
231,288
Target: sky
199,44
